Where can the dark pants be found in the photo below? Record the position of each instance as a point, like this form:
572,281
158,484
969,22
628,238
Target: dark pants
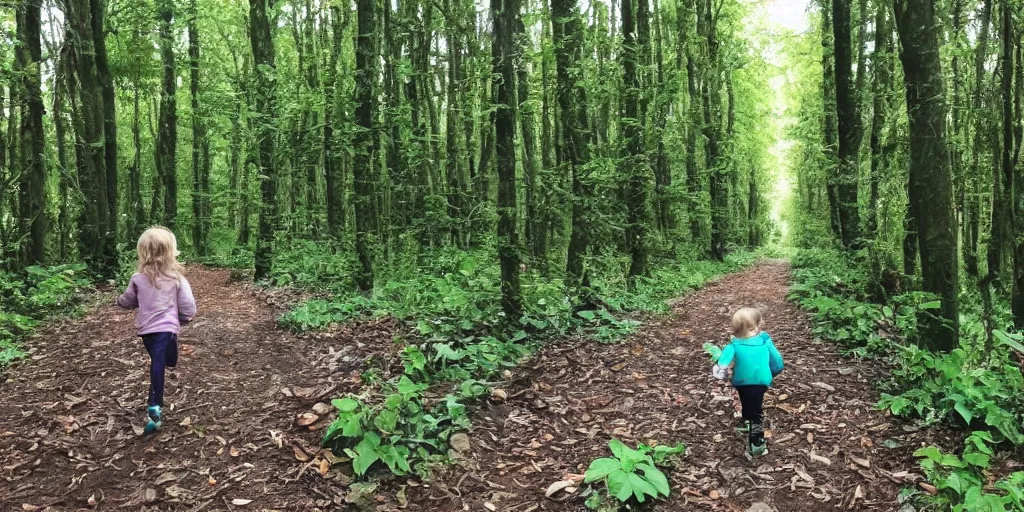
163,353
752,398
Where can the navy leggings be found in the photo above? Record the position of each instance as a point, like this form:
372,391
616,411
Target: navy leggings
163,353
752,398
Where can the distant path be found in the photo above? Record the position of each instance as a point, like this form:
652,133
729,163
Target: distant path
68,415
658,387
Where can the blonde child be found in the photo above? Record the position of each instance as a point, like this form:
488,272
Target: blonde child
757,362
164,299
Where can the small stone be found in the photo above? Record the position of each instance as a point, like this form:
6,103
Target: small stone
460,442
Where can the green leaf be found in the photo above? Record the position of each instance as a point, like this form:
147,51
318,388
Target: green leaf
586,314
714,351
935,304
977,459
929,452
619,485
386,420
656,478
964,412
1010,340
600,469
662,452
641,487
346,404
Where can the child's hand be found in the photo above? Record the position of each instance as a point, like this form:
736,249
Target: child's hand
719,372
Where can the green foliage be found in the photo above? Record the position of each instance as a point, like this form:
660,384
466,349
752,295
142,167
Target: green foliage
963,481
30,297
629,475
971,386
400,431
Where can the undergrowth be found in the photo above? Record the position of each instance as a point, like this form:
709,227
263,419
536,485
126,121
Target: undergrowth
458,339
977,387
31,296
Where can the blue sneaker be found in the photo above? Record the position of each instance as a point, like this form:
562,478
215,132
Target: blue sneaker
154,417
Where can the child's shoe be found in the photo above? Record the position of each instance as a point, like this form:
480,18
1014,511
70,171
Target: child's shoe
743,427
756,451
154,417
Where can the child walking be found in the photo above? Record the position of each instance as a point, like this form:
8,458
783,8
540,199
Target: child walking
164,299
757,362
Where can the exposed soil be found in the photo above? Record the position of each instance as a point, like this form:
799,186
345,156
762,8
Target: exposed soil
69,415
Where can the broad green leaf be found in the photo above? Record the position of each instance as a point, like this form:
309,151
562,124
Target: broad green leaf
619,485
935,304
656,478
386,420
586,314
346,404
964,412
641,487
714,351
601,468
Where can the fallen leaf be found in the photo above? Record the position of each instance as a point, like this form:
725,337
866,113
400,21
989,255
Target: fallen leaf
557,486
818,458
164,478
300,454
304,392
321,408
460,442
866,442
324,467
803,474
714,494
929,488
240,502
507,374
92,500
490,506
277,437
234,452
859,493
150,495
865,463
187,422
30,508
826,387
211,481
574,478
306,419
499,394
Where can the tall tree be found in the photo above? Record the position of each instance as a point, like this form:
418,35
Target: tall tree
33,180
335,193
831,149
634,163
506,22
167,136
931,187
261,39
365,191
567,35
849,126
693,180
881,71
707,20
200,143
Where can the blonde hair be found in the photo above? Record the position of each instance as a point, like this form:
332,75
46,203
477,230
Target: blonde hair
158,255
745,321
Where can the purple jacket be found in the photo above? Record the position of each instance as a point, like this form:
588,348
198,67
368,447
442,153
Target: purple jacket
162,309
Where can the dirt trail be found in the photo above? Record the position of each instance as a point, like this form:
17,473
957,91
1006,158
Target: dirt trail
658,387
68,415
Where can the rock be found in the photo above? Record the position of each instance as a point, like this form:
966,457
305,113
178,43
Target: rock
460,442
499,394
150,495
321,408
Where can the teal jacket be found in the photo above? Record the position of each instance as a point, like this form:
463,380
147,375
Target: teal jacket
757,360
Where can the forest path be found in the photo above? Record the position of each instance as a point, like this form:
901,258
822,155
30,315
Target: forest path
70,414
826,452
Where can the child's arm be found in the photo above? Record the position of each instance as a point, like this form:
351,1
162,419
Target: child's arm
774,357
186,302
728,353
130,298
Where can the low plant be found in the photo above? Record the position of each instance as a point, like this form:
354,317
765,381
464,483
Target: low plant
629,476
29,297
401,431
963,483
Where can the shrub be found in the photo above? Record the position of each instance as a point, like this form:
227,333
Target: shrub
629,475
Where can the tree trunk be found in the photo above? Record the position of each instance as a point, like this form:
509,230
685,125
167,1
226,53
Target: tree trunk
567,35
534,223
1014,194
506,25
831,149
693,181
261,39
335,190
33,172
362,171
849,127
880,62
60,130
634,163
663,101
931,188
98,8
200,168
980,120
167,138
719,188
453,161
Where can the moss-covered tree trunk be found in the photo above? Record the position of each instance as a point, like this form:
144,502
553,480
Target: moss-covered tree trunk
506,22
261,39
931,187
167,135
362,169
849,126
33,157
